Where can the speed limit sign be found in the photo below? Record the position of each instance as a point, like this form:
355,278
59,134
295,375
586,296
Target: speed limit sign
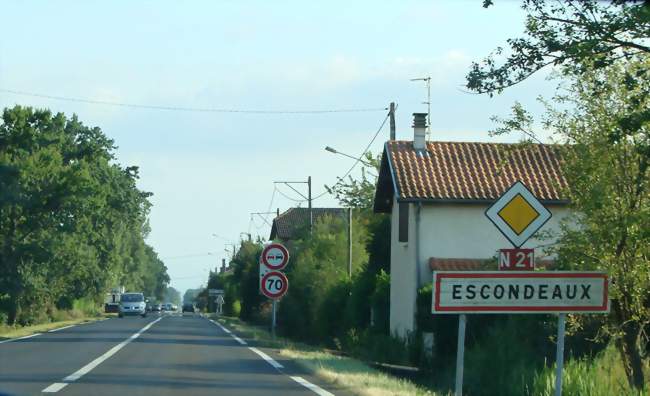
274,284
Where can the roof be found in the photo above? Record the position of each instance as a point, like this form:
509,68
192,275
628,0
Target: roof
286,224
465,264
467,172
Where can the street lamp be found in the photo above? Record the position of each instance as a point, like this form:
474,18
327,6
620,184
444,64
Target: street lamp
334,151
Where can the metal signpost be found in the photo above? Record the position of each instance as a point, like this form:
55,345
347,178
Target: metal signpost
516,287
273,283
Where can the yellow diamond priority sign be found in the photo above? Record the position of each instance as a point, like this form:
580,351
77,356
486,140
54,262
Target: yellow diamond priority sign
518,214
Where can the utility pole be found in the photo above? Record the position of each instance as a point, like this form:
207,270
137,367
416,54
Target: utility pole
311,215
391,113
350,242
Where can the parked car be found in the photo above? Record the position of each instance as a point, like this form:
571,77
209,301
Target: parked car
188,308
132,304
156,308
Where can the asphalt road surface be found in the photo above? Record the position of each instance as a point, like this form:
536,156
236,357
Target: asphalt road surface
158,355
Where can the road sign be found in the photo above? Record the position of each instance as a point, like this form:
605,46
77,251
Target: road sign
215,292
516,259
520,292
518,214
219,300
275,256
274,284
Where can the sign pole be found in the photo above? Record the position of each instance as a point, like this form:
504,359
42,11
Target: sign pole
559,353
273,319
460,354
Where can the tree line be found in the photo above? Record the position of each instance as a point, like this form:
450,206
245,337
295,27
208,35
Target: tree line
72,221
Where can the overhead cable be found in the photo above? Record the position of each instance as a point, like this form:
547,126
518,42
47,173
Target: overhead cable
188,109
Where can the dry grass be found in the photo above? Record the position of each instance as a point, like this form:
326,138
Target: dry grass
7,332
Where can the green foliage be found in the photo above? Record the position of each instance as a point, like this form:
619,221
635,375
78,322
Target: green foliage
569,35
603,375
72,221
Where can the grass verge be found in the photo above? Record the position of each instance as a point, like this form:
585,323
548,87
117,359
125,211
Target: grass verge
7,332
357,377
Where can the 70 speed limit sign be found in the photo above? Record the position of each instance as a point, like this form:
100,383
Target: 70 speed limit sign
274,284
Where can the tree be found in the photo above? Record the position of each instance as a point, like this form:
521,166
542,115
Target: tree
72,220
565,34
605,129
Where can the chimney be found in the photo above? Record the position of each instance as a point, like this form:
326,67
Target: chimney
223,265
419,131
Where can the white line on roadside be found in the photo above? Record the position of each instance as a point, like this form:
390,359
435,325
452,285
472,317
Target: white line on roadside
87,368
21,338
61,328
314,388
266,357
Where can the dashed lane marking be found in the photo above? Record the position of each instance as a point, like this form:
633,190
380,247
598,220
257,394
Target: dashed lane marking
57,386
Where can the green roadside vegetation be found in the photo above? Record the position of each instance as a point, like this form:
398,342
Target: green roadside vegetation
73,222
352,374
82,311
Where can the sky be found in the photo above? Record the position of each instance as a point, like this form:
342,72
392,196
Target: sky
209,171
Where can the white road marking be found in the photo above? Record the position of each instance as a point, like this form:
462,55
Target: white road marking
314,388
87,368
61,328
266,357
21,338
55,387
239,340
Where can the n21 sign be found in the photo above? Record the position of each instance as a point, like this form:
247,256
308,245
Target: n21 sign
516,259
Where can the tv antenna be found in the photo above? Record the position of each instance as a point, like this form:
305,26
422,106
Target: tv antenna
427,81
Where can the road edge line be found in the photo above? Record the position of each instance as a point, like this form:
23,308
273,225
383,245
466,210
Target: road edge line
266,357
312,387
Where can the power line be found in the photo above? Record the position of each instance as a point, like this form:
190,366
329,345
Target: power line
187,109
290,198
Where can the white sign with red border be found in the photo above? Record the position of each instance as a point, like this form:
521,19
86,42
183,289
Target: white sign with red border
274,284
275,256
520,292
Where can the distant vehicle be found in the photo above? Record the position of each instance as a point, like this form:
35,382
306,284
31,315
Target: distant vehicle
188,308
169,307
156,308
132,304
174,307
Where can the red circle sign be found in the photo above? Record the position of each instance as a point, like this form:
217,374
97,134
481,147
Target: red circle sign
274,284
275,256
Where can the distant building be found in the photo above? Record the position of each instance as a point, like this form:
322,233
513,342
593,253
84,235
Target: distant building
437,193
286,225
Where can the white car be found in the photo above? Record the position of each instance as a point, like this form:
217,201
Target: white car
132,304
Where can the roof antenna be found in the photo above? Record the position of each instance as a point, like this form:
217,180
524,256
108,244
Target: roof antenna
427,81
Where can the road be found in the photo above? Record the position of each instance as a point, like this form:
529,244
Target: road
157,355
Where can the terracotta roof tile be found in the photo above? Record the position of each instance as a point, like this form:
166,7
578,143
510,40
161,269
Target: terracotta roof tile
293,219
474,171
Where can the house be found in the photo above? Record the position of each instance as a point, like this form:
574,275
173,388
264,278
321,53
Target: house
287,224
437,193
